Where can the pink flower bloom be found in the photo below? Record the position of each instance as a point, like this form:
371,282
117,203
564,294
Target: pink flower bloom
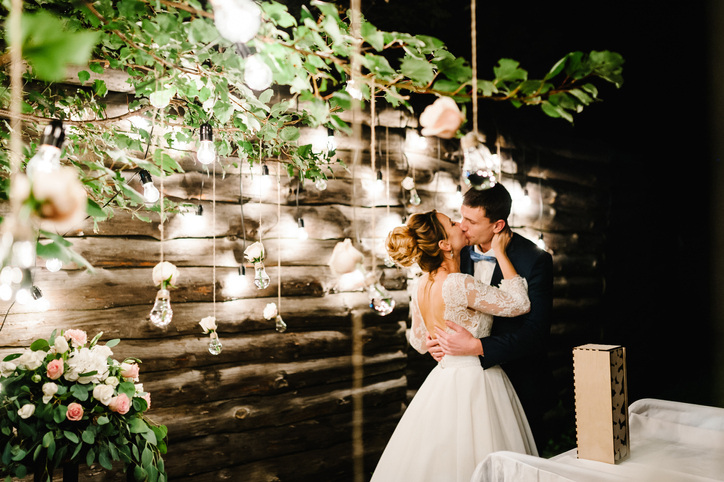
130,370
78,337
442,118
55,369
147,398
75,412
120,404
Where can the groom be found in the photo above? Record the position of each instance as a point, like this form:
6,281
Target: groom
517,344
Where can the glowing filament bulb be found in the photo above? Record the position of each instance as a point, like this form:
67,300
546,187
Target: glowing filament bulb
540,242
301,231
237,20
207,152
257,74
53,265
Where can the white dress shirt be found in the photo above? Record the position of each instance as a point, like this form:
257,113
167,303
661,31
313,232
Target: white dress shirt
484,269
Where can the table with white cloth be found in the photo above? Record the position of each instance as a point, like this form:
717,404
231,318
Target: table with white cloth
670,441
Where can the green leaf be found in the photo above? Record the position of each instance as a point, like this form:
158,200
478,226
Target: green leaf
419,71
88,436
105,460
71,436
83,76
39,345
48,438
113,342
80,392
137,425
508,71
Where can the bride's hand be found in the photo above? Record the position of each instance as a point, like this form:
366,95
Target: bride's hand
501,240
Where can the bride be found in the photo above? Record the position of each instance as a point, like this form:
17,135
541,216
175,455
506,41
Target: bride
461,413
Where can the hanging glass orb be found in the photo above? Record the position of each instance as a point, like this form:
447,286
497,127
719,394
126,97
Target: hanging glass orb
47,159
237,20
214,344
161,313
481,169
257,74
380,299
261,279
414,197
281,327
321,184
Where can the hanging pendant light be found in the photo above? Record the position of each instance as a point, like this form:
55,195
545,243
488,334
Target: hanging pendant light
214,343
301,231
481,169
380,299
47,159
321,184
207,152
237,21
257,74
280,326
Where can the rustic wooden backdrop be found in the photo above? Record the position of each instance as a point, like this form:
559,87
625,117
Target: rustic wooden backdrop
283,406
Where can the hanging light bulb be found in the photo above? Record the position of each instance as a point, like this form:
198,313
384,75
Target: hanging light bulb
17,258
207,152
150,192
47,159
237,20
161,313
321,184
53,265
380,183
331,141
459,194
481,169
301,231
214,343
380,299
257,74
540,242
353,90
261,279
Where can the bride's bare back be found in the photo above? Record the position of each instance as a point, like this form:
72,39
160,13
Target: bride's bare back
430,301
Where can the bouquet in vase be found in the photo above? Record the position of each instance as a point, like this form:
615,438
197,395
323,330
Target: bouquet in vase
65,400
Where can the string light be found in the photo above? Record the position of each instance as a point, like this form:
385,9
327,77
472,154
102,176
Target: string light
150,193
207,152
540,242
47,159
481,169
301,231
237,20
459,195
53,265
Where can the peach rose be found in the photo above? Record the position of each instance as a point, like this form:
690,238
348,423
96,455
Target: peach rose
78,337
120,404
345,258
130,370
442,118
147,397
62,197
75,412
55,369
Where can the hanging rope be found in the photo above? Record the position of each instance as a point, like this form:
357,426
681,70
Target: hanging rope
16,87
279,238
373,162
213,234
163,175
474,55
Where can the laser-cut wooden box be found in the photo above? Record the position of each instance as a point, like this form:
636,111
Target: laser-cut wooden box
602,425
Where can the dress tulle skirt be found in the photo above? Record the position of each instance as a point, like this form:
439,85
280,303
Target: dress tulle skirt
460,414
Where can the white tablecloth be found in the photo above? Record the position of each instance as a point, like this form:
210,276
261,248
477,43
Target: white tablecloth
670,442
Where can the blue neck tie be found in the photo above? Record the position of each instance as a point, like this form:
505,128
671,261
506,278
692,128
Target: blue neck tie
475,256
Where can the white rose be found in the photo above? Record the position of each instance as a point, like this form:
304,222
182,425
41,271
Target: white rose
26,410
345,258
63,199
208,324
49,389
165,272
7,368
255,252
103,393
270,311
112,381
60,344
30,360
408,183
442,118
139,388
86,361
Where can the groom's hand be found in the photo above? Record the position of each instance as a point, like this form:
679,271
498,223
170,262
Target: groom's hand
458,343
434,348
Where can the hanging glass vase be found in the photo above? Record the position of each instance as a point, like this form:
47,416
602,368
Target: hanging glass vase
281,327
481,169
214,343
161,313
380,299
414,197
261,279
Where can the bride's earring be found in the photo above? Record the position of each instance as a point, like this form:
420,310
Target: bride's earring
450,253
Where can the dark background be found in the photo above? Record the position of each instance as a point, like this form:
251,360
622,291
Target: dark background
658,258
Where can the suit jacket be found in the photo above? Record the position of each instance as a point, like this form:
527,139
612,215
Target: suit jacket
519,344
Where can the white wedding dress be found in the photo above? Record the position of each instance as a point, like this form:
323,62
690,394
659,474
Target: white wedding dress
461,413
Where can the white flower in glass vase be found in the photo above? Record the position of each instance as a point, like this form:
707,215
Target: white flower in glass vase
254,253
165,274
208,324
270,311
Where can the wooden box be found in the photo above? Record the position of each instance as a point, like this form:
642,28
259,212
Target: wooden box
602,429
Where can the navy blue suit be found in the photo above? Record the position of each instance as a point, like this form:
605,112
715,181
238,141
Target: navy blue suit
519,344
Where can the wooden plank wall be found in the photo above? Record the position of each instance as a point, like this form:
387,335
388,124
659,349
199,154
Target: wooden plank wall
279,406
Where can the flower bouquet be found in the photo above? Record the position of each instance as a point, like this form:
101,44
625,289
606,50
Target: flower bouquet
65,401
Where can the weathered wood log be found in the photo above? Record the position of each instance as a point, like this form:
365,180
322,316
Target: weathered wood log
578,286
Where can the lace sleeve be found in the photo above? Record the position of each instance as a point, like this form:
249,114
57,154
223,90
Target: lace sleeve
418,332
511,299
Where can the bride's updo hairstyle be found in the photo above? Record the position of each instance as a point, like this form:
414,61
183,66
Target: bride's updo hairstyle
417,242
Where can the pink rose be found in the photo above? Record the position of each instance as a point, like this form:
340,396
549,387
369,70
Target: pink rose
147,398
129,370
120,404
78,337
442,118
75,412
62,197
55,369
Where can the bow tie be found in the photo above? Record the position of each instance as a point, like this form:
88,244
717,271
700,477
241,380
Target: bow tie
475,256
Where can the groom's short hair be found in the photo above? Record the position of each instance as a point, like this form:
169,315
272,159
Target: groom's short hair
496,201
